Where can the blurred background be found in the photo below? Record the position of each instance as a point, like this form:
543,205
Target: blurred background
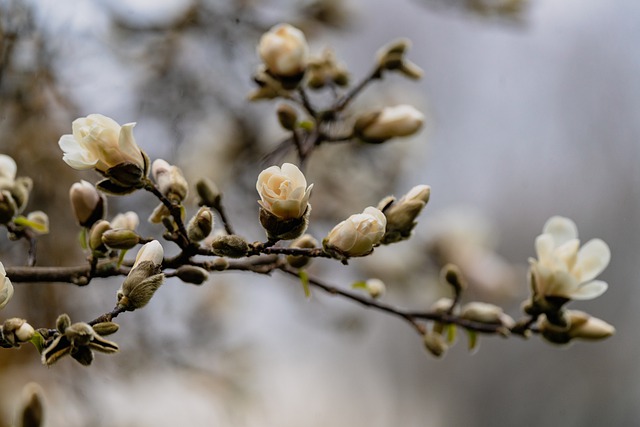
531,111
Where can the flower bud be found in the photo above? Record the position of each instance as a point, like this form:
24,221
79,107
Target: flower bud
170,180
32,414
200,225
441,306
232,246
144,278
38,221
287,116
8,207
579,325
284,51
283,229
306,241
106,328
87,203
390,122
401,215
21,189
6,288
283,191
219,264
16,331
121,238
95,235
208,193
128,220
452,275
357,235
392,57
375,287
486,313
192,274
8,167
435,344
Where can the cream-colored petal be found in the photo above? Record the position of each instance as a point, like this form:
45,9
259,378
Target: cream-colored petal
567,253
8,167
562,229
377,214
6,292
128,146
593,258
544,245
75,155
286,209
294,174
560,284
590,290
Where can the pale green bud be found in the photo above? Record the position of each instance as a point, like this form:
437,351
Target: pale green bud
120,239
95,235
452,275
39,222
287,116
208,193
435,344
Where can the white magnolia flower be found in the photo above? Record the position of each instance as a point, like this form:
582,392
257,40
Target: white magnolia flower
87,204
563,268
284,50
389,122
151,251
100,142
283,191
358,234
6,288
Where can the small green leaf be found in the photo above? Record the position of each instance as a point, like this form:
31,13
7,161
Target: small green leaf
306,125
38,341
473,339
304,279
451,333
82,238
123,252
25,222
359,285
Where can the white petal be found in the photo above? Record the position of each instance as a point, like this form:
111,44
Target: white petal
567,254
128,146
8,167
544,248
294,174
593,258
590,290
562,229
75,155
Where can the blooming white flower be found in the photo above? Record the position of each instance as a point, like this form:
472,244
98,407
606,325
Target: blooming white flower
283,191
87,204
99,142
6,288
389,122
284,51
563,268
358,234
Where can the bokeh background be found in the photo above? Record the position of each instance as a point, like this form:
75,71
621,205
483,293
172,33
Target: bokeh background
531,110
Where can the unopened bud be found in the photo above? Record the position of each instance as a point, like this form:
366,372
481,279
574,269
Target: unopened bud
8,207
95,235
106,328
87,203
16,331
306,241
128,220
219,264
32,406
486,313
390,122
200,225
284,229
192,274
208,193
284,51
120,239
452,275
392,57
401,215
287,116
21,190
375,287
170,180
435,344
580,325
38,222
232,246
144,278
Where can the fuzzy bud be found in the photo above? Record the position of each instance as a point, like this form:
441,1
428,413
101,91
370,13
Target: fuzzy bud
16,331
435,344
87,203
200,225
192,274
208,193
219,264
392,57
452,275
283,229
402,214
170,180
486,313
306,241
579,325
128,220
287,116
232,246
144,278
